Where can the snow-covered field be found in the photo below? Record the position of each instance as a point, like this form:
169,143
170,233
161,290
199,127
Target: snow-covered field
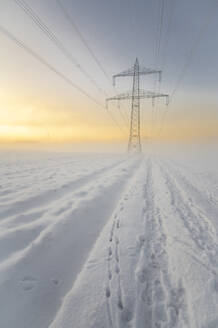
109,241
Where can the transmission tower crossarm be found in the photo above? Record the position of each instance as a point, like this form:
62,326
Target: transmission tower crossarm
151,94
141,95
141,71
146,71
121,96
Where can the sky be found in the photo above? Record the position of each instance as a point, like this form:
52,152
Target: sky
178,37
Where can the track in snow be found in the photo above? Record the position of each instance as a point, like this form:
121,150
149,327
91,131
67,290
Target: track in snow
130,243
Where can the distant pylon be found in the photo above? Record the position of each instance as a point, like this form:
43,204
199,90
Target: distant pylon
134,144
135,135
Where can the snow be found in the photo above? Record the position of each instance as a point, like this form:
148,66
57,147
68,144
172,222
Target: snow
109,241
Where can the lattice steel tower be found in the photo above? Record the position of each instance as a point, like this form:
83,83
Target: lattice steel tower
134,144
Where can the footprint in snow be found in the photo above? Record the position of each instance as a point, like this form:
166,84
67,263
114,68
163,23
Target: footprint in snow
108,292
109,251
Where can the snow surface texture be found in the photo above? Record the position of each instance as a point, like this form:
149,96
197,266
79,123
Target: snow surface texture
102,241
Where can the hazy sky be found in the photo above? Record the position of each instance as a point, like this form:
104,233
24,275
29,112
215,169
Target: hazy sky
37,105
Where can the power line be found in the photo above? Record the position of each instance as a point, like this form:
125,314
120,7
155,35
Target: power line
188,60
192,52
86,44
157,56
52,37
31,52
82,38
168,32
44,28
161,27
125,115
116,122
75,27
44,62
167,40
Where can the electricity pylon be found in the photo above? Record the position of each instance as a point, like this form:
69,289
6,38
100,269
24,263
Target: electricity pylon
134,144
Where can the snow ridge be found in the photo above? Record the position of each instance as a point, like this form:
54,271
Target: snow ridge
126,242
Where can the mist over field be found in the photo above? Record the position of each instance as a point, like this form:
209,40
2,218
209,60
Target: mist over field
108,164
109,239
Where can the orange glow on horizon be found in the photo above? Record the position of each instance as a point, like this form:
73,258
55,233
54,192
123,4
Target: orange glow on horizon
70,133
49,124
